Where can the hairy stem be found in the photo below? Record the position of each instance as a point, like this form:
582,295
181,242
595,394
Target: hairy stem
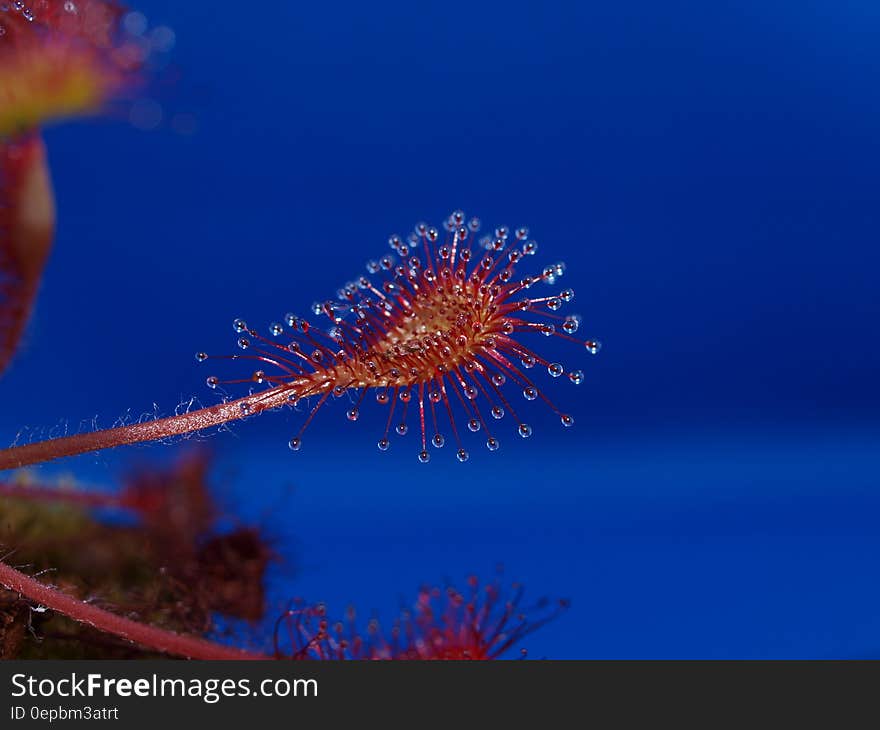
149,637
41,451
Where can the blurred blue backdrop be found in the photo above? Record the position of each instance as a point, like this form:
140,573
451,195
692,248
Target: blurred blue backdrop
708,172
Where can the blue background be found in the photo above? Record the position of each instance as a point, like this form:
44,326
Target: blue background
708,172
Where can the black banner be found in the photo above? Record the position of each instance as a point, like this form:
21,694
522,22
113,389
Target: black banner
232,694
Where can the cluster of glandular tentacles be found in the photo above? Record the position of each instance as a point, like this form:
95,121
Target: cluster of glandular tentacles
442,329
482,623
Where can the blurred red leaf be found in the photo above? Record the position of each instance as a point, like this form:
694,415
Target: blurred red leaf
27,228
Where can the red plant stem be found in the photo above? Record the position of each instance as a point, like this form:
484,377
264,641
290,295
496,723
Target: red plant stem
150,637
41,451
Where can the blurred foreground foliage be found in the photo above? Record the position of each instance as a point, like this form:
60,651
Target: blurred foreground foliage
152,553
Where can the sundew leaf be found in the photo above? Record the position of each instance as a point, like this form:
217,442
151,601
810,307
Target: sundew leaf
27,229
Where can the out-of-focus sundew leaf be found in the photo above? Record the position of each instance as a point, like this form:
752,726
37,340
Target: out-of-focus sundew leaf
58,59
27,228
53,80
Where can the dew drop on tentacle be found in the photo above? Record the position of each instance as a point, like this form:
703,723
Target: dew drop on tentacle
239,325
524,430
492,444
424,457
530,393
383,444
571,324
462,455
295,443
473,425
212,381
593,346
201,356
352,414
438,441
555,369
497,413
576,377
566,420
